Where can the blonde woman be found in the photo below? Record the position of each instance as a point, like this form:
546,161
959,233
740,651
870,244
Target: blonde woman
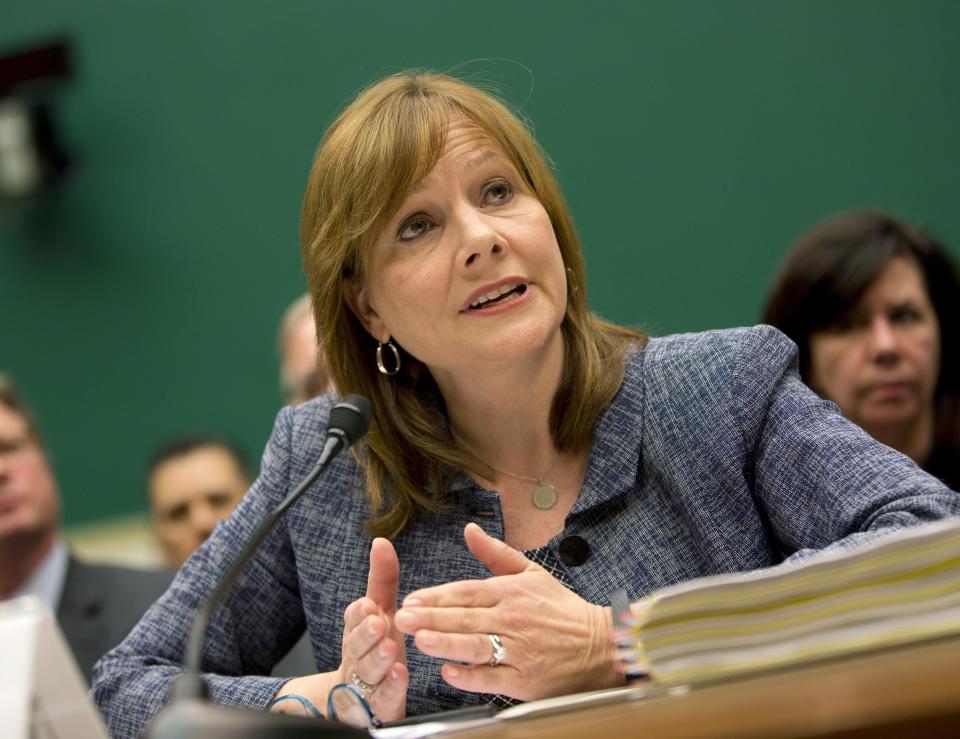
526,458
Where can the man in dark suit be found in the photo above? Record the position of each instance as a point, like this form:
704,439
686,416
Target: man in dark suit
96,605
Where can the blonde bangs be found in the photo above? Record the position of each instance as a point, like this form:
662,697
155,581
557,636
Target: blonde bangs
365,167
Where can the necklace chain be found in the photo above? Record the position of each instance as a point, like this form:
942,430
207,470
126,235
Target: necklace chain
524,477
544,495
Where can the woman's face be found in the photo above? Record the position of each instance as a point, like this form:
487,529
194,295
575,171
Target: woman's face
467,273
880,364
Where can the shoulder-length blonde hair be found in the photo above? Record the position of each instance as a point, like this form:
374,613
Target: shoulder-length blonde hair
386,141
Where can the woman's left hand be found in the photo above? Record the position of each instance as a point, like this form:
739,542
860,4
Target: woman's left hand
556,642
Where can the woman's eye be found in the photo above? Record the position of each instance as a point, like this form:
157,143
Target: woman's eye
843,325
497,192
416,226
904,314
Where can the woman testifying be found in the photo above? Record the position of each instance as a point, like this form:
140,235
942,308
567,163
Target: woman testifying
525,459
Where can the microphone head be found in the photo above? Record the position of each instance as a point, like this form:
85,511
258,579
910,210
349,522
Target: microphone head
351,417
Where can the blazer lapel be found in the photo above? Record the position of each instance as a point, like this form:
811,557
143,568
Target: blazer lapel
80,615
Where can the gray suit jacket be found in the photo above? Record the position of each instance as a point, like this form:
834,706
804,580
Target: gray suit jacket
712,457
99,605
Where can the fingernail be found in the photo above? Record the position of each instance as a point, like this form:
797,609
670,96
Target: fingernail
382,651
371,630
453,671
394,675
428,638
405,619
412,602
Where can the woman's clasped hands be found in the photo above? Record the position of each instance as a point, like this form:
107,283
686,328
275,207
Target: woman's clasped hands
520,633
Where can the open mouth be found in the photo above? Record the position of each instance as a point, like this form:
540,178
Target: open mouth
502,294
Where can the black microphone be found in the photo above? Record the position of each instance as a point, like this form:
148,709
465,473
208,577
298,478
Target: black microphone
188,714
349,420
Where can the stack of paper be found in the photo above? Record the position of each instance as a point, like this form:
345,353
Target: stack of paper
896,589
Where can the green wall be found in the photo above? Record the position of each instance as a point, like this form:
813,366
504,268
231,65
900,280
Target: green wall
694,140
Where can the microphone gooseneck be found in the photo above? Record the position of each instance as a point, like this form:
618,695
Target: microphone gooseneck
349,421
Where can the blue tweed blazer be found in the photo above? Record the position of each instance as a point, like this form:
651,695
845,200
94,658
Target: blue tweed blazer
713,457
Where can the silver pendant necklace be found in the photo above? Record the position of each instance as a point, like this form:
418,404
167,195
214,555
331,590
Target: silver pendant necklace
544,495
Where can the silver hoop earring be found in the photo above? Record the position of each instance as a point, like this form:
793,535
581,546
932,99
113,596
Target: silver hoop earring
396,358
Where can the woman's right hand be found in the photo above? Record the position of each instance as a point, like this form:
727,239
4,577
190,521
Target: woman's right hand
373,649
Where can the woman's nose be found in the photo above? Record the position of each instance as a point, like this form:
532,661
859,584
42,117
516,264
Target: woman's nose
884,343
479,238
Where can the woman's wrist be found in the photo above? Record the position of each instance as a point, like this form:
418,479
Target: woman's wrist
312,689
602,657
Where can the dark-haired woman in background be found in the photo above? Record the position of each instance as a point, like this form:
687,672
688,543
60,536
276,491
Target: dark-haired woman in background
872,302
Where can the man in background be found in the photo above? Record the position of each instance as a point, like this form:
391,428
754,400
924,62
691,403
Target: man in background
193,482
303,372
95,605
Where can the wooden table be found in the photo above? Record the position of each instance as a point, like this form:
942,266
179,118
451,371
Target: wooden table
910,692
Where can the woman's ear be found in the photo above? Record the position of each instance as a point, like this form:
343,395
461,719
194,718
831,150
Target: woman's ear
358,300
